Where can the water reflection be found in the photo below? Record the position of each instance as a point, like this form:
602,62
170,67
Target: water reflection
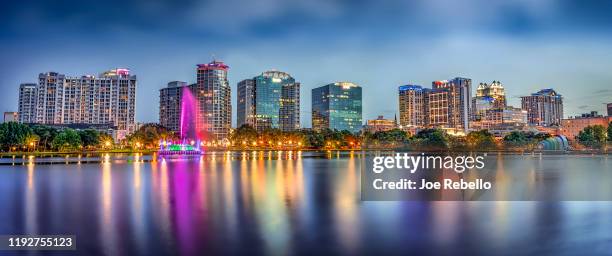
264,202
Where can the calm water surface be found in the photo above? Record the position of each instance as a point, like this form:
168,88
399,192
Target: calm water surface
260,203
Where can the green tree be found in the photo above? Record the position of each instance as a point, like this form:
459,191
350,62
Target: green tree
67,139
13,135
480,139
149,135
46,135
434,138
89,137
244,136
592,136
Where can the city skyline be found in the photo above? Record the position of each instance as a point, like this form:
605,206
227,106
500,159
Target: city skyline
528,46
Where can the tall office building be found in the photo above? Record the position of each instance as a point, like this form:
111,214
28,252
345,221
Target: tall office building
544,108
337,106
245,108
609,109
109,98
170,105
270,100
413,106
449,103
27,103
213,93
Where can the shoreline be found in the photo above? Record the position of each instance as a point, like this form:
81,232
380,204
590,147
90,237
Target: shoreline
450,151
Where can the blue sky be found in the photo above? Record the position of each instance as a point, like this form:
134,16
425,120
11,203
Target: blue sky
528,45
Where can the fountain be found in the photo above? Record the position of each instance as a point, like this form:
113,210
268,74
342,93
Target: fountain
189,142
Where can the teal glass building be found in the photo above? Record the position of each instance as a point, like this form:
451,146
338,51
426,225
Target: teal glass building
270,100
337,106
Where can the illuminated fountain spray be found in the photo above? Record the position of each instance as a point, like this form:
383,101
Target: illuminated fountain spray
189,142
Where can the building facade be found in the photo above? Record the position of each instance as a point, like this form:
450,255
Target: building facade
609,109
27,103
544,108
413,106
270,100
11,117
213,94
571,127
449,103
337,106
170,105
245,107
495,91
109,98
380,124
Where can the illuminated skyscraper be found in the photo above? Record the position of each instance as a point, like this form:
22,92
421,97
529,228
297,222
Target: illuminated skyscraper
413,105
495,91
213,93
337,106
109,98
50,98
544,108
270,100
27,103
170,105
449,103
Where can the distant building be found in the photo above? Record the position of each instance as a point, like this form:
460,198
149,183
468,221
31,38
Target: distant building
245,107
504,118
570,127
170,105
270,100
609,109
413,105
449,103
11,117
337,106
213,93
544,108
380,124
27,103
495,91
109,98
480,105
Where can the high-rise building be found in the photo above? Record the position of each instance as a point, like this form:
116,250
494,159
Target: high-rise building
544,108
609,109
213,93
413,106
170,105
109,98
449,103
337,106
270,100
27,103
245,109
50,98
11,117
494,91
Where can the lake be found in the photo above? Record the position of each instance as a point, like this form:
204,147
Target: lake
282,203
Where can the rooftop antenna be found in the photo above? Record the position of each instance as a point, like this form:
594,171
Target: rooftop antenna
213,57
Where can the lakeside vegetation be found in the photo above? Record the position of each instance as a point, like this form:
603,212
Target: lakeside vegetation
16,137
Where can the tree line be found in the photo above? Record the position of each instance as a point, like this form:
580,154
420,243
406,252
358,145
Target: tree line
22,137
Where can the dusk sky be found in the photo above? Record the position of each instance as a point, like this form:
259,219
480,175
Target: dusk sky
380,45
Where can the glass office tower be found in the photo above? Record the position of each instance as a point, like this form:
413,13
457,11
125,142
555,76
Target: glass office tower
270,100
337,106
